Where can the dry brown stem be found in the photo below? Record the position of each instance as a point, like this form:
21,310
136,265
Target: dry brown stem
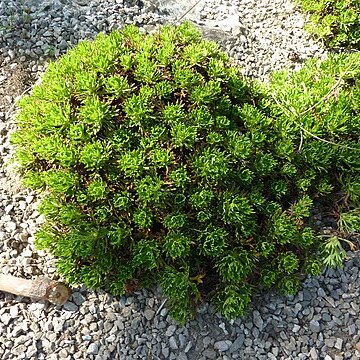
40,288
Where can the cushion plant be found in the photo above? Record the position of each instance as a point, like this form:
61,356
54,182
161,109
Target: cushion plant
161,164
336,22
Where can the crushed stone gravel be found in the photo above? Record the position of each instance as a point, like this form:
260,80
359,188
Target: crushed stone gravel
320,322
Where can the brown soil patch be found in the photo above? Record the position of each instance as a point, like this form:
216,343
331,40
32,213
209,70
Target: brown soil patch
14,79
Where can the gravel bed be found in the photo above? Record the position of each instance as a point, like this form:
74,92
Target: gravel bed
320,322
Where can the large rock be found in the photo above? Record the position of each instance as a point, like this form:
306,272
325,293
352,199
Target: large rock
216,21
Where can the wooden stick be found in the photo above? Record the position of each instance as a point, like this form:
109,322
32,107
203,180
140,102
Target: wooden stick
41,288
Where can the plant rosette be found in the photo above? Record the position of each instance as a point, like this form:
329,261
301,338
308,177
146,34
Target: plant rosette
162,164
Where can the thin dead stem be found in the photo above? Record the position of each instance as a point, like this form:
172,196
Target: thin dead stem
312,107
192,7
8,113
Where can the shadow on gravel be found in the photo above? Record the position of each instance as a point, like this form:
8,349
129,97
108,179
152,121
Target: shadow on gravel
33,29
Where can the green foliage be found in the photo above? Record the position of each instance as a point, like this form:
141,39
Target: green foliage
235,266
288,262
349,221
269,277
146,254
289,285
143,218
93,155
333,252
177,245
211,165
122,200
313,266
160,162
174,221
181,290
233,300
337,22
213,240
97,189
179,177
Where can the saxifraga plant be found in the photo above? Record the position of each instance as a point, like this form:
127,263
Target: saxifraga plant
336,22
161,164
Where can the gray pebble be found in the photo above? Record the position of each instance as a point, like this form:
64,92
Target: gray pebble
182,340
258,321
237,344
135,323
149,314
70,306
14,311
188,347
315,326
5,318
77,298
339,344
329,342
93,349
314,354
63,354
352,329
223,345
170,330
182,356
19,350
209,353
173,344
165,351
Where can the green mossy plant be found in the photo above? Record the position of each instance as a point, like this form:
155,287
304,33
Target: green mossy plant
163,164
336,22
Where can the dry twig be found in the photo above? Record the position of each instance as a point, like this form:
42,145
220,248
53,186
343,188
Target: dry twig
40,288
